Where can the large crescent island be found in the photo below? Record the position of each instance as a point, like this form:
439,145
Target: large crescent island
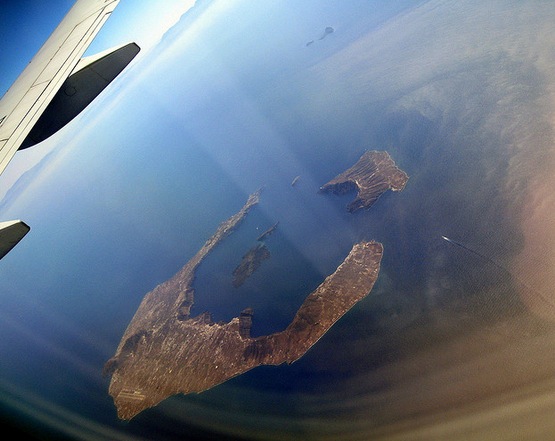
164,351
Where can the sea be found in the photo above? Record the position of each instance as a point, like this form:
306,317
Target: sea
190,131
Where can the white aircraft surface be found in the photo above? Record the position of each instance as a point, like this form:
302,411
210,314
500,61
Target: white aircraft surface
55,87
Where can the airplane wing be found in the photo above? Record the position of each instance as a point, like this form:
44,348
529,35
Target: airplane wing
27,98
53,88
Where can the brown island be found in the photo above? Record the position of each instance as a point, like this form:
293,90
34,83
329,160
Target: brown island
250,262
267,233
373,174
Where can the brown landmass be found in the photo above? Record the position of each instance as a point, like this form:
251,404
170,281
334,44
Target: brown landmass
164,351
250,262
373,174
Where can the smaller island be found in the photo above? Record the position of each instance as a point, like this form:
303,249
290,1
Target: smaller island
249,264
373,174
327,31
267,233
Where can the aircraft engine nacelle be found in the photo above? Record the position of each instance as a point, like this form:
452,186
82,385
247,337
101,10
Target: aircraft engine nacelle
89,78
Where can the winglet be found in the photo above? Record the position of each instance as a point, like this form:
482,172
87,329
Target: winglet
11,232
91,76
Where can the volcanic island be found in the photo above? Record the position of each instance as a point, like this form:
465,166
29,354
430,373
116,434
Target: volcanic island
250,262
164,351
373,174
254,257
